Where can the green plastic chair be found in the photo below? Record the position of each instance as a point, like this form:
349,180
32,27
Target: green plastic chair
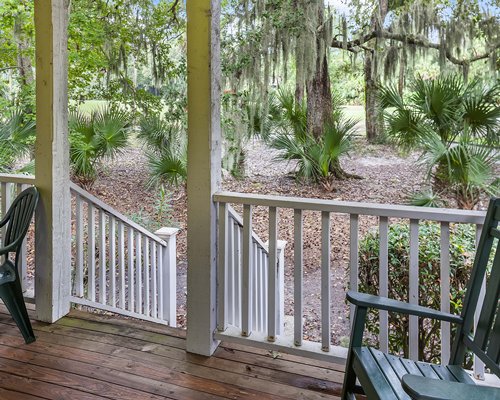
17,221
388,377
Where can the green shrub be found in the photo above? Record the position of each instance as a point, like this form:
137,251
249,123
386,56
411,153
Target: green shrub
94,137
447,118
166,149
17,133
317,157
161,216
462,239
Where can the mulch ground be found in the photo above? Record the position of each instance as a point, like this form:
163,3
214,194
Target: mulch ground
387,177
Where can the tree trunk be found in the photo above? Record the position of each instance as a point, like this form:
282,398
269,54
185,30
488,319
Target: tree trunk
374,125
371,93
402,70
299,93
319,99
319,94
23,57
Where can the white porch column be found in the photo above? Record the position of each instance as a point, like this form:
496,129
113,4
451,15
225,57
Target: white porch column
53,236
204,170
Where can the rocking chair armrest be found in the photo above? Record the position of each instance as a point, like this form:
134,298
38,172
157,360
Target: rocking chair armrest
8,249
422,388
4,220
383,303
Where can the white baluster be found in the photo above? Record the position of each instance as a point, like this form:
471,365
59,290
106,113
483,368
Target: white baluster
91,264
384,281
247,290
413,289
445,290
222,269
325,281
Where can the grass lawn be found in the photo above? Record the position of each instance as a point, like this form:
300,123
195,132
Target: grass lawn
90,105
357,113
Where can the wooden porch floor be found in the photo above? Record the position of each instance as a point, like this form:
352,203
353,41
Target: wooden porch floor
91,357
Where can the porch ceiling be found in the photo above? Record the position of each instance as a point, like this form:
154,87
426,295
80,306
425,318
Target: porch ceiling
85,356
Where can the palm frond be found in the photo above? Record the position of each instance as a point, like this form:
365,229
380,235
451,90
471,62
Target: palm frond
111,126
481,114
426,198
167,168
389,97
406,128
16,138
102,133
156,132
337,138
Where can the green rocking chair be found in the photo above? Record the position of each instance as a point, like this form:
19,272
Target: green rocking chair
386,377
16,221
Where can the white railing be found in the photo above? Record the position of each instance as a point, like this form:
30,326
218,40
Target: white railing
119,266
10,186
295,343
248,294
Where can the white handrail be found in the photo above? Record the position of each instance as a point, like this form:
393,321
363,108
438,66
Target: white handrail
236,308
354,210
348,207
237,218
120,266
103,206
18,178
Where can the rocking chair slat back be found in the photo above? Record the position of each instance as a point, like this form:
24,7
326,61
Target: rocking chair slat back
486,338
19,216
493,349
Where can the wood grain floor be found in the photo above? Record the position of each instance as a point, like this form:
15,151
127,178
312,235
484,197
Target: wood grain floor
92,357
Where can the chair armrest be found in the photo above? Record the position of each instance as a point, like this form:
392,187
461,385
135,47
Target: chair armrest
8,249
421,388
4,220
383,303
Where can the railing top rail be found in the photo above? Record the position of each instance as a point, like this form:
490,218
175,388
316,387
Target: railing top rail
103,206
236,217
348,207
18,178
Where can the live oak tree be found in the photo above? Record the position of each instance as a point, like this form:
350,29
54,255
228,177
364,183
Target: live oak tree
389,36
17,53
399,32
112,44
119,50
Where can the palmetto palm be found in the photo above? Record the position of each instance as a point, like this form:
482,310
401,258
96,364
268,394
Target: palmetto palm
457,127
318,159
93,137
16,137
166,150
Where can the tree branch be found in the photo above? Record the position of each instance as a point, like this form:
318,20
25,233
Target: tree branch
419,41
11,67
173,10
353,44
424,42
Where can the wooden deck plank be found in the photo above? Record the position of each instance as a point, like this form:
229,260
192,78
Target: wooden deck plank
249,376
151,363
111,370
224,351
52,370
224,358
128,322
53,384
19,388
180,333
168,336
295,375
